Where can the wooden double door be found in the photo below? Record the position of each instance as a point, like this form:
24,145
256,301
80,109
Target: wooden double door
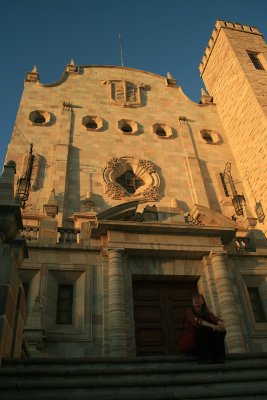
159,310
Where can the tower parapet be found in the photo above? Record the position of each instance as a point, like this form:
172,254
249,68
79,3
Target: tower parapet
220,24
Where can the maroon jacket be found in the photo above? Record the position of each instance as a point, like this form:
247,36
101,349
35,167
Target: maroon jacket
191,321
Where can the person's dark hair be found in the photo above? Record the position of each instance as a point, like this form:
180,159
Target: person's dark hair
204,308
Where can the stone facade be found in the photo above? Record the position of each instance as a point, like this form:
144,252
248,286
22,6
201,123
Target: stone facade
131,179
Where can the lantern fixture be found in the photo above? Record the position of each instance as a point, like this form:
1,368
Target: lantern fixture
24,182
238,200
259,211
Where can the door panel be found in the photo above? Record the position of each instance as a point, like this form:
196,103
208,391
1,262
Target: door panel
159,309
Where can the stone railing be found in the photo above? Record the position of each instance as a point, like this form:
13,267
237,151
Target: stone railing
30,233
68,235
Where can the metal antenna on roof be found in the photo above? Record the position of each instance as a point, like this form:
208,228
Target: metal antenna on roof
120,42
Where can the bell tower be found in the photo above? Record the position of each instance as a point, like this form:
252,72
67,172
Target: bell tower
234,70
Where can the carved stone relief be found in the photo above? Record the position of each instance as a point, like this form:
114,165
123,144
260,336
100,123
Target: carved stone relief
125,93
141,172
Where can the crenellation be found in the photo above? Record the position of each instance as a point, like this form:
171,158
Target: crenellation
220,24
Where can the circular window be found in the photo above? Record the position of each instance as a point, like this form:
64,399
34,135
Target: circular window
162,131
128,127
92,123
39,120
209,136
38,117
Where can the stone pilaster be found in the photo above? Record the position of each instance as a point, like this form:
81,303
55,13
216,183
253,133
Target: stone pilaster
192,162
235,339
117,323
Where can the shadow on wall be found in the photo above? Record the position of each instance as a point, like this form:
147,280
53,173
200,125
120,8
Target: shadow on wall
209,186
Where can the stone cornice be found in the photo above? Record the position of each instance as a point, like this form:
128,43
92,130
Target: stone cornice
226,233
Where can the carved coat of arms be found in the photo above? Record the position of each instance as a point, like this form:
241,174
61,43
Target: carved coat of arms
125,93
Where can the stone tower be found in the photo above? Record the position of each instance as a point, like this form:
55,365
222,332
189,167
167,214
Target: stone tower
234,69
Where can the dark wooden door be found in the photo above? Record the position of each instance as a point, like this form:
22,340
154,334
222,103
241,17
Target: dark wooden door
159,309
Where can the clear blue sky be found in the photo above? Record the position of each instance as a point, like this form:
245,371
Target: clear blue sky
157,36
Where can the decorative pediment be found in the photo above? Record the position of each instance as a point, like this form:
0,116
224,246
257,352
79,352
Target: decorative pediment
120,212
211,217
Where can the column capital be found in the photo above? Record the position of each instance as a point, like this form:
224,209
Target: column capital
116,251
216,254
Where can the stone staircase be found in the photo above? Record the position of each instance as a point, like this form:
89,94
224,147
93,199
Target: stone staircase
144,378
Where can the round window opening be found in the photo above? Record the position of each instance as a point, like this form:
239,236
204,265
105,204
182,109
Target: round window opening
91,125
207,137
39,120
161,132
210,137
126,128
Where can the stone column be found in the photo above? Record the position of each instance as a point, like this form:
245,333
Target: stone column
234,337
117,323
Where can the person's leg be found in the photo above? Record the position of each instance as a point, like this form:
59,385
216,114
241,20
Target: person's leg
218,347
203,340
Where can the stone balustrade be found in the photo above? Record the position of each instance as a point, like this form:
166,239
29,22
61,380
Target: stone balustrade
68,235
30,233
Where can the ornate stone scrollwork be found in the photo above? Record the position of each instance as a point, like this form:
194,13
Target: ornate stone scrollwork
115,191
192,221
146,165
129,177
151,193
111,164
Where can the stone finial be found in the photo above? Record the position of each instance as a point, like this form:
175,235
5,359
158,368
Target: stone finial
72,68
205,97
35,69
170,81
51,208
33,76
203,92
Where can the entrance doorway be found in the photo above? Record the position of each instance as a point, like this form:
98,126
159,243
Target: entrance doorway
159,310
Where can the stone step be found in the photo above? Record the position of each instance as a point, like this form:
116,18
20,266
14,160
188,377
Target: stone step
200,391
127,362
147,378
127,378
